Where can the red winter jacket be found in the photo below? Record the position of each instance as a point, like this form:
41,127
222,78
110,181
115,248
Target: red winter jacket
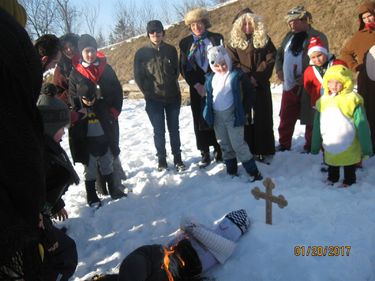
312,79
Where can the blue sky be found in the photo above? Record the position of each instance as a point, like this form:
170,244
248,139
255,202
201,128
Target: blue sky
107,11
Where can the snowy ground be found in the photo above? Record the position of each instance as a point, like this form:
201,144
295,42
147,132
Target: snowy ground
316,215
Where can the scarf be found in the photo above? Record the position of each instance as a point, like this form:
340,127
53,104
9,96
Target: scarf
92,71
297,45
370,26
198,45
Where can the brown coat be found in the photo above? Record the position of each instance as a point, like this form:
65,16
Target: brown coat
259,63
354,53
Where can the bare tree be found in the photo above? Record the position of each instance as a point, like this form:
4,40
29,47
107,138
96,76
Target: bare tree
100,39
91,14
42,15
68,15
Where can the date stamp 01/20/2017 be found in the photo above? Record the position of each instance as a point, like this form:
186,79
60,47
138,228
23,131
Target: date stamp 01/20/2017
322,251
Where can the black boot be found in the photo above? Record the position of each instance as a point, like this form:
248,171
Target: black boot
114,191
178,164
232,167
252,169
206,159
162,164
92,198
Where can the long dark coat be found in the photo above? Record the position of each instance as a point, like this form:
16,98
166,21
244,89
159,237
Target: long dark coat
22,187
194,74
111,100
258,63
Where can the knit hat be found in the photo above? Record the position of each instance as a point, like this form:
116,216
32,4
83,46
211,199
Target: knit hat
154,26
240,219
298,13
316,45
217,55
55,113
16,10
365,7
244,11
85,41
198,14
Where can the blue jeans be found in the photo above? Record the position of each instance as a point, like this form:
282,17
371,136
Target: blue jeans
158,112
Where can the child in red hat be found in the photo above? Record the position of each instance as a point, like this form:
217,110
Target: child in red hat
320,61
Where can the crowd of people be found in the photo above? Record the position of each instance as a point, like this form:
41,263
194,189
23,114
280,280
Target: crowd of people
231,106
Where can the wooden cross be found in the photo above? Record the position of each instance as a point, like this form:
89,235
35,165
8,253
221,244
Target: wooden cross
280,200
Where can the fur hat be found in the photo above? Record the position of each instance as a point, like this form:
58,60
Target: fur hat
154,26
365,7
298,13
198,14
55,113
316,45
16,10
85,41
216,55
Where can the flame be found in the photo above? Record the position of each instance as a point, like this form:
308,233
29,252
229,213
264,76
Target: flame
167,261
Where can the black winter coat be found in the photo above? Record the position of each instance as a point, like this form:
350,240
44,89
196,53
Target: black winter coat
60,174
22,188
110,100
156,72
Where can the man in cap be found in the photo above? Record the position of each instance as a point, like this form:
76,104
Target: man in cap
291,61
156,74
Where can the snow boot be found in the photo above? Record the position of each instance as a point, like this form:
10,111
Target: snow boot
178,164
92,198
252,169
162,164
232,167
206,159
114,191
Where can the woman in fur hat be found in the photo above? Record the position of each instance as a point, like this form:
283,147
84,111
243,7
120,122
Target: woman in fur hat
360,56
252,50
194,66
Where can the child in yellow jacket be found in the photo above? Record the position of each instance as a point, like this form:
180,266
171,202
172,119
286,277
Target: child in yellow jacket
341,126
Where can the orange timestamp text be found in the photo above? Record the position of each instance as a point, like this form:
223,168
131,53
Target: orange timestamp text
322,251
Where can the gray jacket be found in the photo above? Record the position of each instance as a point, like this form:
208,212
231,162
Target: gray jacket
156,72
